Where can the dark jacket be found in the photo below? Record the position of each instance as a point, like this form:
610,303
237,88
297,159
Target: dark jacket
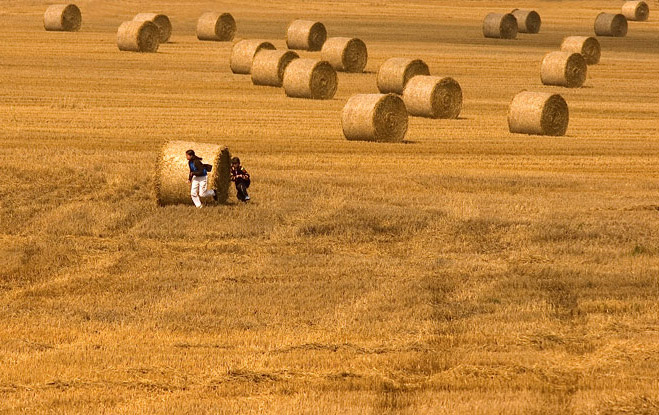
196,167
239,174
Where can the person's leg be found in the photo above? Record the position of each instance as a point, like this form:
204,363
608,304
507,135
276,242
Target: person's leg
203,188
194,192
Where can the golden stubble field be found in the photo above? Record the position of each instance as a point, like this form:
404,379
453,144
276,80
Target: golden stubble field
467,270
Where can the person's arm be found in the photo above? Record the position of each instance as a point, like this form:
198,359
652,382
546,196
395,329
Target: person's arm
243,174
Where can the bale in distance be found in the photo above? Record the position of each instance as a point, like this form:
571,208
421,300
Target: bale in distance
162,21
607,24
636,10
563,69
500,26
587,46
269,66
172,169
138,36
395,73
306,35
216,26
243,52
433,97
62,18
374,117
345,54
528,21
538,113
310,78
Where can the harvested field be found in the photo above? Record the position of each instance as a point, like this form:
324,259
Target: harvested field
466,270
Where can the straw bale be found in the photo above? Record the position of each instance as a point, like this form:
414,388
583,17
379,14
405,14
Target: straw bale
310,78
243,52
395,73
345,54
138,36
563,69
587,46
607,24
63,18
636,10
498,25
269,66
171,186
306,35
538,113
162,21
528,21
433,97
216,26
375,117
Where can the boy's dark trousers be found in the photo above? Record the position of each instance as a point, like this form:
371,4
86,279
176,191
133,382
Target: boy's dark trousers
241,188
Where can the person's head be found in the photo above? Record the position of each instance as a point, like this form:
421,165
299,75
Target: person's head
189,154
235,162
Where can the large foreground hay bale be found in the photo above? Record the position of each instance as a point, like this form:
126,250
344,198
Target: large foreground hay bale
306,35
538,113
636,10
345,54
587,46
162,21
433,97
269,66
310,78
138,36
395,73
172,170
374,117
243,52
563,69
62,17
528,21
607,24
216,26
501,26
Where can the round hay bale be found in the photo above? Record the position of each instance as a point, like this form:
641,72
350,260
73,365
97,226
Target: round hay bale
310,78
63,18
306,35
563,69
269,66
528,21
162,21
538,113
500,26
171,186
607,24
636,10
138,36
395,73
345,54
374,117
243,52
216,26
587,46
433,97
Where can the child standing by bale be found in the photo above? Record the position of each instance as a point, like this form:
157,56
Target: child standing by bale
241,178
198,178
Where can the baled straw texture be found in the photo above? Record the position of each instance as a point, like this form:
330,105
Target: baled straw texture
138,36
607,24
63,18
216,26
433,97
636,10
374,117
269,66
395,73
345,54
162,21
587,46
172,171
306,35
243,52
563,69
538,113
528,21
310,78
501,26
